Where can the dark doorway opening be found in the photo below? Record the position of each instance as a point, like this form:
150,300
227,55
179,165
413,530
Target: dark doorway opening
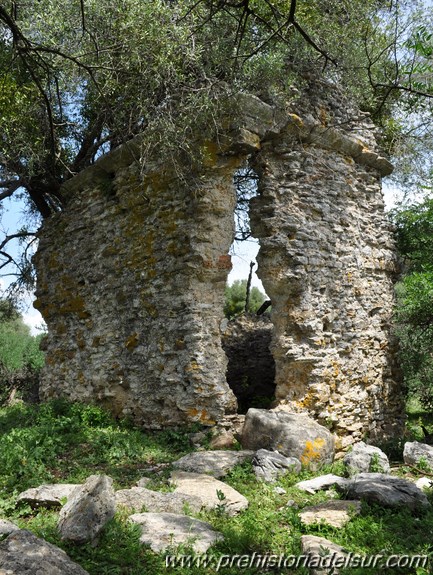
251,366
247,339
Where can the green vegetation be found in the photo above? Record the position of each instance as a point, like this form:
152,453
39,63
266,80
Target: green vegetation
77,81
20,357
414,317
18,348
61,442
235,296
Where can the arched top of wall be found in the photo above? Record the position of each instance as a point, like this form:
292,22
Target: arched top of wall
258,122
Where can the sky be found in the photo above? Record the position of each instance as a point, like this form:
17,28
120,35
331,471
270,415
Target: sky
242,254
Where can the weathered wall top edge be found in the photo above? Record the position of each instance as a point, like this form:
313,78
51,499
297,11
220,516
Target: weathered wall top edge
311,131
258,118
109,163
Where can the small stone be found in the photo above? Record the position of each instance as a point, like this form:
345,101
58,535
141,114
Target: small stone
269,465
7,527
363,457
22,553
215,463
88,510
334,513
424,483
322,482
279,491
167,530
138,498
415,452
197,438
143,481
224,440
212,492
47,495
385,490
323,553
291,434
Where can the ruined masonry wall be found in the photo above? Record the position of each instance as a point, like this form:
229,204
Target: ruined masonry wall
131,274
327,262
131,280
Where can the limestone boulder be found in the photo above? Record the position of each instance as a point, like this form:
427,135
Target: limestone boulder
415,452
88,510
424,483
224,440
385,490
217,462
143,481
22,553
212,492
326,556
269,465
168,530
335,513
365,458
7,527
323,482
47,495
291,434
138,498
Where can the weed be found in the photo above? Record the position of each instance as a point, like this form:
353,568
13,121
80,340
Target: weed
65,442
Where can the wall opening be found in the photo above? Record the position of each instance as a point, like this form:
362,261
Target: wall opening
247,339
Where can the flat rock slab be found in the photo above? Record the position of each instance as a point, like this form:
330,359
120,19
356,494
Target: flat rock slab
385,490
414,452
424,483
334,513
7,527
291,434
216,463
325,556
364,457
320,483
47,495
22,553
167,530
269,465
87,511
138,498
206,488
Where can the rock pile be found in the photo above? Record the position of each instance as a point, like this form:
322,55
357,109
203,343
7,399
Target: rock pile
164,518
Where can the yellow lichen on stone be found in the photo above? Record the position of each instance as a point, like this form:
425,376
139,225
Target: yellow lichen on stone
193,366
323,116
200,415
312,451
295,119
132,341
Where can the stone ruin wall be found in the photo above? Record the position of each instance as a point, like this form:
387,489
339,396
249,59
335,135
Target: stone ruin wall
131,279
131,275
328,263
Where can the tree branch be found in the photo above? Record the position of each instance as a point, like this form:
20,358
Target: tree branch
18,235
11,185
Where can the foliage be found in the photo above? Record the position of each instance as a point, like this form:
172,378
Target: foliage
59,440
414,316
18,348
235,296
65,442
20,356
79,80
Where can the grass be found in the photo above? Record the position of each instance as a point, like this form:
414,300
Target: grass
65,443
